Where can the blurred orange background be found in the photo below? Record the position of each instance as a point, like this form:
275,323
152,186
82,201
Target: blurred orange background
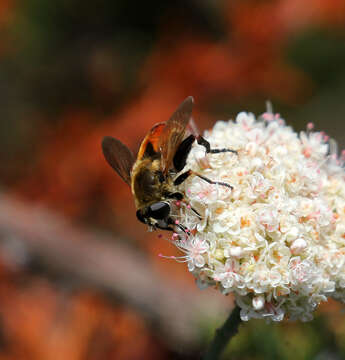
80,277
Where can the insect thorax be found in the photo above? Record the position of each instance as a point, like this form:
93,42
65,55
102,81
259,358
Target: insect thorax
147,186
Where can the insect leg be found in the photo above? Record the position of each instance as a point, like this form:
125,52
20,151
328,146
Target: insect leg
183,228
181,178
207,146
170,221
182,153
179,196
196,213
184,148
214,182
175,195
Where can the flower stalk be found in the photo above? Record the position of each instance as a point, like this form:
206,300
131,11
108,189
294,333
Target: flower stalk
224,335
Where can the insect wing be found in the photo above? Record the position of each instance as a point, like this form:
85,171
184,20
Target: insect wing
173,132
192,128
119,157
151,139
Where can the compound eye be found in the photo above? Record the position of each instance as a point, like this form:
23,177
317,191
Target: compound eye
140,216
159,210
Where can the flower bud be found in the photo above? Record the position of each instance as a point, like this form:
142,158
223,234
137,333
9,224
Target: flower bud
298,246
258,302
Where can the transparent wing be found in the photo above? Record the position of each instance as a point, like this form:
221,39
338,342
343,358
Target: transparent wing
192,128
119,157
174,131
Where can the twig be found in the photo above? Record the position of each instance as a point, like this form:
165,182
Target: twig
224,335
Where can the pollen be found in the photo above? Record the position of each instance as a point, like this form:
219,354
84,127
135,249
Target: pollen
244,222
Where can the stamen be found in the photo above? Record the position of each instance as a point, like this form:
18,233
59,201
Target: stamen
310,126
172,257
269,108
179,259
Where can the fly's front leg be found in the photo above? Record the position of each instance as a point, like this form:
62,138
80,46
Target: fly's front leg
182,153
202,141
180,157
181,178
176,195
170,221
179,196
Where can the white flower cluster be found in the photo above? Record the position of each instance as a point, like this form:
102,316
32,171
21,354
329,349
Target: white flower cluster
277,239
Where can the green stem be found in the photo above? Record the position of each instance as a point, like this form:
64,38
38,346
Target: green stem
223,335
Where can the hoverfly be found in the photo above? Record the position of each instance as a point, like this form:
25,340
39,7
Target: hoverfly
154,175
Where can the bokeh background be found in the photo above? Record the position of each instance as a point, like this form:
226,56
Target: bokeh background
80,278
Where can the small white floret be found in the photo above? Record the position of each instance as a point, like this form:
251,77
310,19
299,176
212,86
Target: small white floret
236,251
292,234
298,246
